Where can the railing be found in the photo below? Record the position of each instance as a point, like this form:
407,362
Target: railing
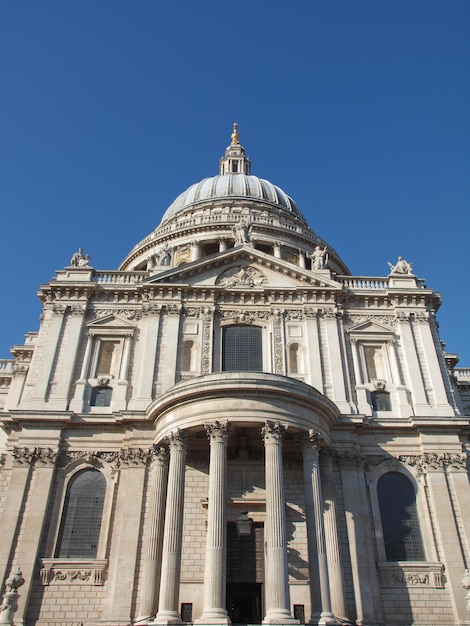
363,282
120,278
6,366
462,374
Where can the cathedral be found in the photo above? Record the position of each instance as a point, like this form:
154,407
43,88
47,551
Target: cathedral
231,428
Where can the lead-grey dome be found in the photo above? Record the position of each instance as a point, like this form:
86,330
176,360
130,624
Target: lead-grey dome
233,186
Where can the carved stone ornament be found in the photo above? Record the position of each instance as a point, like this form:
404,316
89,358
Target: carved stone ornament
127,314
103,381
278,347
386,320
44,456
217,431
207,342
9,604
242,316
434,461
241,276
177,439
115,459
412,575
56,571
273,431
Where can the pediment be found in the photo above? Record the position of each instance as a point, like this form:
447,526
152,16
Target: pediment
110,322
371,328
243,268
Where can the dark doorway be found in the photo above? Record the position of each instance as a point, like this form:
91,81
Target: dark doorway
244,603
245,574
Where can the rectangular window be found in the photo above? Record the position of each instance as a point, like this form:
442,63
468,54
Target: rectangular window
107,358
242,349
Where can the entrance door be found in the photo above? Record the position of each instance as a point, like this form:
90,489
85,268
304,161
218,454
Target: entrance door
245,574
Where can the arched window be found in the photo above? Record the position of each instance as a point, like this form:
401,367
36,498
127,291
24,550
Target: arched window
242,349
186,355
295,359
81,517
400,523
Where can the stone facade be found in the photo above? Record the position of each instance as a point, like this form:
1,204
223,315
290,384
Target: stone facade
232,371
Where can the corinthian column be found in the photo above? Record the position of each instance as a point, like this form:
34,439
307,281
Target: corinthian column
277,587
318,565
216,543
173,533
153,548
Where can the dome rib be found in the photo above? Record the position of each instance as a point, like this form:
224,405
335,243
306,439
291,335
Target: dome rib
227,186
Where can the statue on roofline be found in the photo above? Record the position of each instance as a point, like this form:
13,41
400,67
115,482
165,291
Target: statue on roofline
401,266
79,259
319,258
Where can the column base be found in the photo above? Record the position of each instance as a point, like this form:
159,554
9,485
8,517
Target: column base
279,616
165,618
213,617
329,619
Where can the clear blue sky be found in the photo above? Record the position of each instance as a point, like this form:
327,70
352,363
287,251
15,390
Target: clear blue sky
359,109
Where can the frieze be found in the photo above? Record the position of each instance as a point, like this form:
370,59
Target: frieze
115,459
435,461
19,369
27,456
72,573
412,575
173,309
242,317
134,456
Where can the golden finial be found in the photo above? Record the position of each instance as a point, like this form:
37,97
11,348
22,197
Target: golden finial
235,135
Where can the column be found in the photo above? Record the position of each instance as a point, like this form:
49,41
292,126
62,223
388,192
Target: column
215,611
119,403
170,338
277,250
222,244
77,402
302,259
277,587
153,546
318,565
335,568
173,533
195,250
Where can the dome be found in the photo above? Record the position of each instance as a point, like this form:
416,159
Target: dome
233,186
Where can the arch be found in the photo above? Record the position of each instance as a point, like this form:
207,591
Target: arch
80,525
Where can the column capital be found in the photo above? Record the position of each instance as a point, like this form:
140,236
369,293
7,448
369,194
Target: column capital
217,431
177,439
159,454
273,431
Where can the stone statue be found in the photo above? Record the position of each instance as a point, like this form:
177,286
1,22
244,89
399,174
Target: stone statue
401,266
164,255
319,258
79,259
242,230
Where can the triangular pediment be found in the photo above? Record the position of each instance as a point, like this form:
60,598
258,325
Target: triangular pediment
372,328
109,321
244,267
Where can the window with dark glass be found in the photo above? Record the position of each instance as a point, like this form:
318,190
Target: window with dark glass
101,396
399,515
242,349
381,401
81,517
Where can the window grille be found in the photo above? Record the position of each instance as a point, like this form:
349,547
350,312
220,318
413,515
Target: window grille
101,396
186,612
400,523
81,517
242,349
299,613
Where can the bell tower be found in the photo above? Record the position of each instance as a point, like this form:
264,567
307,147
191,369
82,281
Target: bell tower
235,160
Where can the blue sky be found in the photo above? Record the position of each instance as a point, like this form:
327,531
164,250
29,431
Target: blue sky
356,108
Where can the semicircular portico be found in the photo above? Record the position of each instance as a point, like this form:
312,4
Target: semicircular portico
244,399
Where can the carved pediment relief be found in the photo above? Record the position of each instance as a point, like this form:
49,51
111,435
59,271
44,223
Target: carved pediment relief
372,329
241,276
104,320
